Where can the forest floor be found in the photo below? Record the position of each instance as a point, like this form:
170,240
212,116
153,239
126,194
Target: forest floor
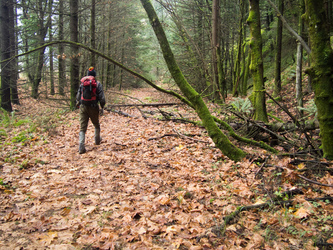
151,184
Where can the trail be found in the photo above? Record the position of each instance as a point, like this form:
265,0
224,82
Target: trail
130,192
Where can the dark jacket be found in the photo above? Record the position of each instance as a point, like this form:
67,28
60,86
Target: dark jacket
99,94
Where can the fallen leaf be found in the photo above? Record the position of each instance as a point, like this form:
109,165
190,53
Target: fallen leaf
163,199
302,212
48,238
301,166
89,210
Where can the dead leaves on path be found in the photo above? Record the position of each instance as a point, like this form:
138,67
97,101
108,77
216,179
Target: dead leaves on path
134,193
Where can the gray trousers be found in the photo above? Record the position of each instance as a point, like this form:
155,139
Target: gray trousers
87,112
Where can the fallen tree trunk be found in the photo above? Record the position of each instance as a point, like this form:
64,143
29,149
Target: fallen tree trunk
279,126
145,105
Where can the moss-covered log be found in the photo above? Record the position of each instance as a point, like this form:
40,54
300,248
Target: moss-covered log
321,71
220,140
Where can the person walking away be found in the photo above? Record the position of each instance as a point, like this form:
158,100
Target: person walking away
89,94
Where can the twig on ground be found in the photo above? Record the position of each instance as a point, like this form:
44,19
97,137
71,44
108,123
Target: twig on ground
300,176
187,137
310,141
122,113
146,104
220,229
262,166
176,135
160,137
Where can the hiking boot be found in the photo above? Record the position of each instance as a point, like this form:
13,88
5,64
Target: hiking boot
82,148
98,138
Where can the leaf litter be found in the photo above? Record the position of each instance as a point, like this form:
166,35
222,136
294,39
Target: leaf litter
135,192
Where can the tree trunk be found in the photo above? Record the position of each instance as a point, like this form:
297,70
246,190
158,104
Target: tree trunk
75,77
5,54
257,68
299,94
109,82
122,61
277,83
216,50
329,13
25,39
240,50
13,51
298,84
93,32
321,71
41,34
246,73
52,91
61,56
220,140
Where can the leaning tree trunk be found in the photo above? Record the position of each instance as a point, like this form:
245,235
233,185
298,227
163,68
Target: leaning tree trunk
220,140
257,67
321,71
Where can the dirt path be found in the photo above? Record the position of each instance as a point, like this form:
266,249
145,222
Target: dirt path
130,192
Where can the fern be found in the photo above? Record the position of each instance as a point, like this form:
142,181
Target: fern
310,109
242,105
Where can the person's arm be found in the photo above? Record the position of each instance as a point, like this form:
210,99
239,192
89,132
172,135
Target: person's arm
78,96
100,95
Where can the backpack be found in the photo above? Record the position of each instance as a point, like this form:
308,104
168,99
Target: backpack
88,90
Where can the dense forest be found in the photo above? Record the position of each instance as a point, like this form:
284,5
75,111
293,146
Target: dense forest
255,73
210,50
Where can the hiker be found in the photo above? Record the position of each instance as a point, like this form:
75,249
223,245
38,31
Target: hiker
89,94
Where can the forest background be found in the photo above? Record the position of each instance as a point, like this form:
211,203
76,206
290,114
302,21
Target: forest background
239,67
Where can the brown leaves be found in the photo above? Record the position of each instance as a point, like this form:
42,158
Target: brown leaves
48,238
134,193
302,213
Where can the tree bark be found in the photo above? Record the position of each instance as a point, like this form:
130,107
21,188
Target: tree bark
61,56
299,67
93,32
240,52
52,91
321,71
246,73
75,77
277,82
13,51
41,34
215,50
257,68
5,54
220,140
